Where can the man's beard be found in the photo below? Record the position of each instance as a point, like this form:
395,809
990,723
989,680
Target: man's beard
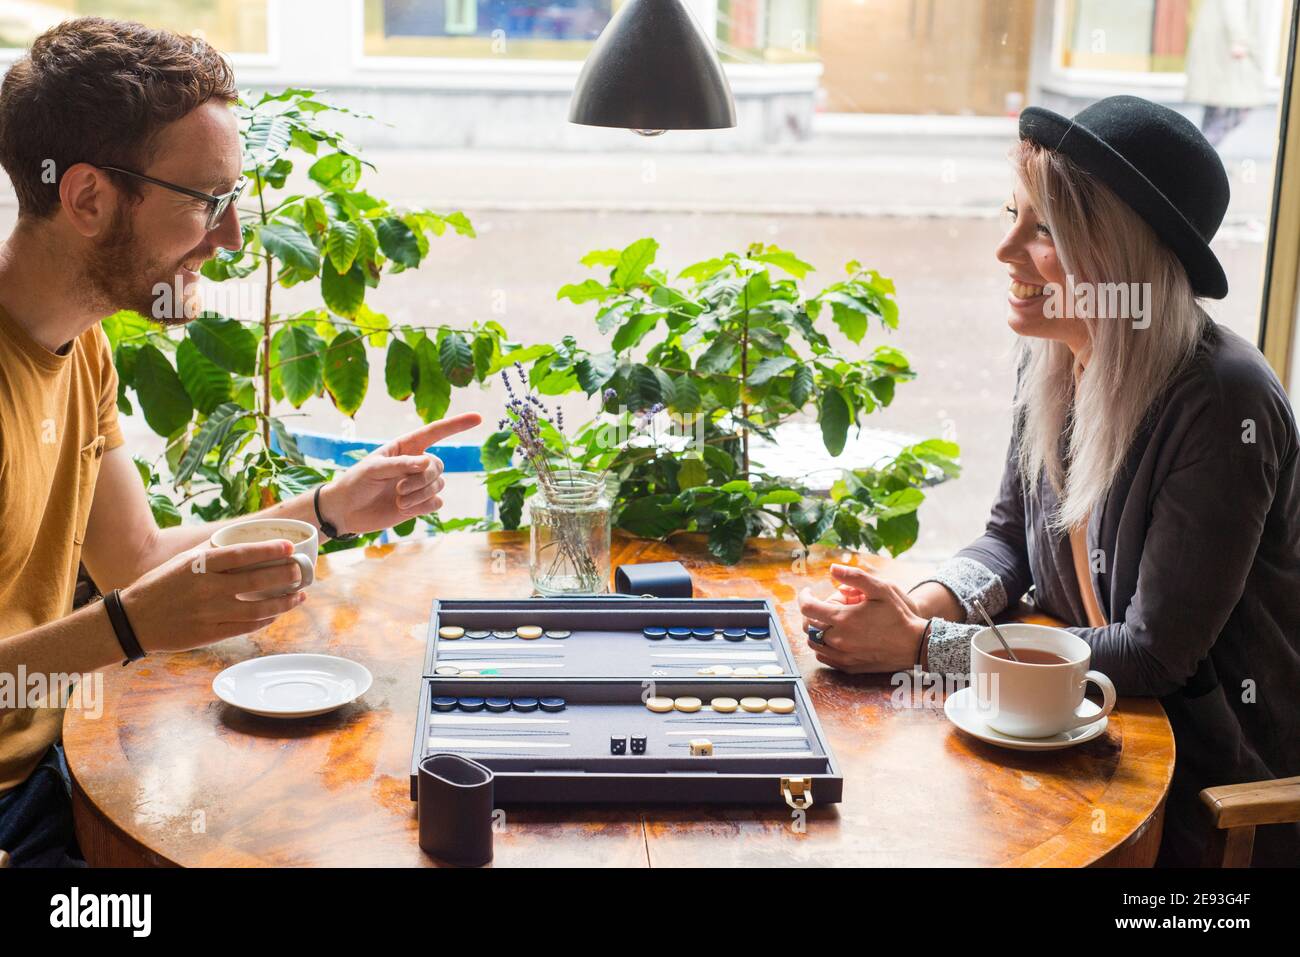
118,275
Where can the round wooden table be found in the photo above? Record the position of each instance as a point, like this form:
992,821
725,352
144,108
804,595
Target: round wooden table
168,774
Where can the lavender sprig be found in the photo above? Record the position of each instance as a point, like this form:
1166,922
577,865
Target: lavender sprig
525,416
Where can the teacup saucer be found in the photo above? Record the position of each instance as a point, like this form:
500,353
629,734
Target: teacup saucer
292,686
961,710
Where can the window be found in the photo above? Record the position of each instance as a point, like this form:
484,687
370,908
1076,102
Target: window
559,29
874,130
921,57
748,31
233,26
767,30
1160,36
1129,35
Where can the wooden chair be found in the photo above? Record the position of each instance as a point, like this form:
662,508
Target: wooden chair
1237,809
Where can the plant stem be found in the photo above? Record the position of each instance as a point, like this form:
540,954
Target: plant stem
744,376
267,498
266,360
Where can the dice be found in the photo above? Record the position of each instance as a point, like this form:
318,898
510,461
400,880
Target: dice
617,744
701,747
638,744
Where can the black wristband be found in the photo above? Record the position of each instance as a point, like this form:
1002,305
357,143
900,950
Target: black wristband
925,638
122,627
325,527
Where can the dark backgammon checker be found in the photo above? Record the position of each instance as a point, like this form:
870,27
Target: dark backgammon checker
623,700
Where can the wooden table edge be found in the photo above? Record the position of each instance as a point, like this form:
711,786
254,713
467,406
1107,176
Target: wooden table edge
1141,842
102,841
106,842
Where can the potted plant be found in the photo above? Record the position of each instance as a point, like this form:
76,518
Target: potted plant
733,346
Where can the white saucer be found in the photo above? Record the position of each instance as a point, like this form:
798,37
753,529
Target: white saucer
292,686
961,710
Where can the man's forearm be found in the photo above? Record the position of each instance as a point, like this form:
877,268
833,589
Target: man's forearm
76,644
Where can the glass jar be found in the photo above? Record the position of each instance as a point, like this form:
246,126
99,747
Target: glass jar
569,535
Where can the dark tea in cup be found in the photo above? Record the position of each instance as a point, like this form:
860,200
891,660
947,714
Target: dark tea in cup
1031,656
1041,694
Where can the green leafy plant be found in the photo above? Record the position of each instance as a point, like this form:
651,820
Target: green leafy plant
215,386
736,347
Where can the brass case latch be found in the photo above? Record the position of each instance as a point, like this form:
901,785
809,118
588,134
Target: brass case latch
797,792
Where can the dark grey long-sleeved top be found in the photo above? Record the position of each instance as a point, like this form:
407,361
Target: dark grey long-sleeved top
1199,579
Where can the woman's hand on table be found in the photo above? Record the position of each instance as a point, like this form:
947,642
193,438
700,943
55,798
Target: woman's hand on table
869,625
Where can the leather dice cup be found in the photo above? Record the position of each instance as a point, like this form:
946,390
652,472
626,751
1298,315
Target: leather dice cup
660,579
454,801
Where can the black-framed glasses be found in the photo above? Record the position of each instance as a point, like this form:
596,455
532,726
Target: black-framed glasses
217,205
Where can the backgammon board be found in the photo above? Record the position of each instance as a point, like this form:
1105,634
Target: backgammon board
628,700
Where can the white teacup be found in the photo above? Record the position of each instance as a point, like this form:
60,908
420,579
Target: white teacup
303,536
1034,700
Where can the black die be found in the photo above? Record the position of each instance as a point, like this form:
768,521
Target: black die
638,744
617,744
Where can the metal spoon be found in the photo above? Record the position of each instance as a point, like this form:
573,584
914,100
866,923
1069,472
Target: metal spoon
979,607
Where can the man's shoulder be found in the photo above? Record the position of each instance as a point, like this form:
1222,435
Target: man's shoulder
95,357
94,344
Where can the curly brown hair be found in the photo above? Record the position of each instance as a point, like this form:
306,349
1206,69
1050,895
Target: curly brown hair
93,90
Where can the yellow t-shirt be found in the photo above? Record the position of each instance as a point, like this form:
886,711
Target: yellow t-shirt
58,415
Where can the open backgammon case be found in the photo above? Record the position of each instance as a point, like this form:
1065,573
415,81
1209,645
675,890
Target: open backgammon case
631,700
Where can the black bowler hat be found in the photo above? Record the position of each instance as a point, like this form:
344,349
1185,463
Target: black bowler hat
1157,161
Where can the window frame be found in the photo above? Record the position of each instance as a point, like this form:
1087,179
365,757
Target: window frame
1280,305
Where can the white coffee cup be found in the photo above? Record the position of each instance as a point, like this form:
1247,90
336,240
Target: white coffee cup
305,541
1034,700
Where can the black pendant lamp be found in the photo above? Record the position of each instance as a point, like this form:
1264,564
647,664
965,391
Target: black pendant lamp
653,69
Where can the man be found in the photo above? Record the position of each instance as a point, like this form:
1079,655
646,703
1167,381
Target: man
93,94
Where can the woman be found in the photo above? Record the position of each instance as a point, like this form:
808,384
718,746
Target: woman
1151,495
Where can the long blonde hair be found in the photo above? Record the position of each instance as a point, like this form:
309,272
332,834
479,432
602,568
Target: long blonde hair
1099,239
